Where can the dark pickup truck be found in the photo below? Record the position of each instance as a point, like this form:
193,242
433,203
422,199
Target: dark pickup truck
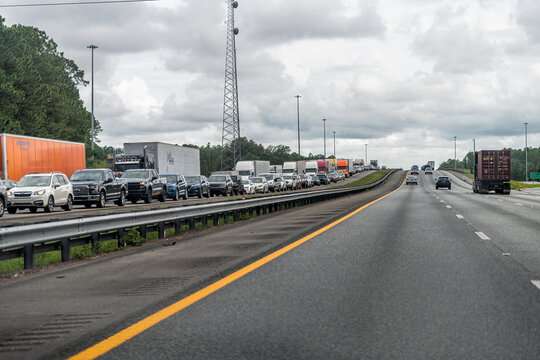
145,184
96,186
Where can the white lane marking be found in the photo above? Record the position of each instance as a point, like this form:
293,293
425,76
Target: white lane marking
501,200
518,204
459,216
442,201
536,283
448,206
482,236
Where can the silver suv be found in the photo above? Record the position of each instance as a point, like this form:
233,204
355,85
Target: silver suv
45,191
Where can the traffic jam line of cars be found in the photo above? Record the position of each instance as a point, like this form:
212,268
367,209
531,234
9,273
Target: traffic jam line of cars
91,187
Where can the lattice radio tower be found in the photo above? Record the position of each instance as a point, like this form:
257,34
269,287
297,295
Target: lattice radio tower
230,141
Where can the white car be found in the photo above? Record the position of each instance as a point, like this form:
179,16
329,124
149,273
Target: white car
291,181
261,184
45,191
249,187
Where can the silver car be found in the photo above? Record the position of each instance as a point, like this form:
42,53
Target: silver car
249,186
411,179
261,184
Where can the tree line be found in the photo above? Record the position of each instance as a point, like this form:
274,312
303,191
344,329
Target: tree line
517,162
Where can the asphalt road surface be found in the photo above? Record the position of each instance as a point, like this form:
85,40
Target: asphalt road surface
403,278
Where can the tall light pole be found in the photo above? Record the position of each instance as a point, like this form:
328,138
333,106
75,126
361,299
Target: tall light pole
335,157
324,127
366,156
298,118
526,162
474,152
92,47
455,153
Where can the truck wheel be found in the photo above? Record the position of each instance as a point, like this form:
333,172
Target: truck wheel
161,196
122,199
50,205
148,198
12,210
69,203
102,199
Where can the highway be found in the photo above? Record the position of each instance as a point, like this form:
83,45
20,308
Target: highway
418,274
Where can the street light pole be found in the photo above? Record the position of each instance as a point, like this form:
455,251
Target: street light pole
474,152
455,153
366,156
92,47
335,157
526,162
324,126
298,118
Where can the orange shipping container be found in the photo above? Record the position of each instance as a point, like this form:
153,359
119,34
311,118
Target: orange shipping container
24,154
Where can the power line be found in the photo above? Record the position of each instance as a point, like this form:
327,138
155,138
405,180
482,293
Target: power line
75,3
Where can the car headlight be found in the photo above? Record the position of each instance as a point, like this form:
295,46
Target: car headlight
40,192
142,183
9,193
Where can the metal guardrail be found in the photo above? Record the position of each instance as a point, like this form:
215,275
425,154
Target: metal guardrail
28,240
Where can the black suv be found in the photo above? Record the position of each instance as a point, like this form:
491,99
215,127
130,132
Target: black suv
443,181
96,186
221,185
145,184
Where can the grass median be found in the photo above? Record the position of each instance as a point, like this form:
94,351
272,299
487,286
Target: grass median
366,180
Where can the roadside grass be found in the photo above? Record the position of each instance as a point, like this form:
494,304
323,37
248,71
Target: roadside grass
515,185
132,237
369,179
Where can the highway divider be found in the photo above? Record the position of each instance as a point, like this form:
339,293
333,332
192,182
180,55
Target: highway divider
28,240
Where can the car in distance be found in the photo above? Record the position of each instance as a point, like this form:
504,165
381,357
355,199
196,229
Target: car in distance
176,186
428,171
145,184
411,179
323,178
443,181
9,184
274,183
198,186
41,190
220,185
249,186
96,186
291,181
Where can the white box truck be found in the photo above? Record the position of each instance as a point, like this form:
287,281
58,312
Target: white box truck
276,169
312,167
290,167
247,168
168,158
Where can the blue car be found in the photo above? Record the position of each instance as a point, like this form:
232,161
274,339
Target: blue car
198,186
176,186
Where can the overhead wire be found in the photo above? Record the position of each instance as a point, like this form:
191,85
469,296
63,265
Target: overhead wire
74,3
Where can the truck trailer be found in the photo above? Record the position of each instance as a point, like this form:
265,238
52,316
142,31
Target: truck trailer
247,168
276,169
165,158
25,154
345,165
492,171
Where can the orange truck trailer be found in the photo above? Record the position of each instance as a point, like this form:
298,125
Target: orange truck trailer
21,155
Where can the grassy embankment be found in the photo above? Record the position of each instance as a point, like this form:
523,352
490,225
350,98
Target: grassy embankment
133,238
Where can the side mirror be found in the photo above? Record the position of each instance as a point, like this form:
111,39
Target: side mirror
154,178
108,181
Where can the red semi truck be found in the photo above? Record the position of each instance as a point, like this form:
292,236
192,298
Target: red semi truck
492,171
21,155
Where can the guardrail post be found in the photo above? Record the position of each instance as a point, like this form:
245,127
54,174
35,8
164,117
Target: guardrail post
235,215
65,250
177,227
191,223
28,256
94,239
142,230
216,219
161,230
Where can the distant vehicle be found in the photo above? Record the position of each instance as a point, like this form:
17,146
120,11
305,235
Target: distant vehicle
323,166
249,168
249,186
220,185
323,178
492,171
274,181
374,164
261,184
341,175
290,167
299,182
276,169
383,167
307,180
238,188
198,186
431,164
10,184
176,186
145,184
334,177
41,190
3,198
443,181
291,182
411,179
414,172
428,171
315,179
96,186
311,167
345,165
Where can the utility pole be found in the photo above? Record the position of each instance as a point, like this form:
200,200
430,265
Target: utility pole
526,162
474,153
231,150
366,156
298,118
324,127
92,47
455,153
335,157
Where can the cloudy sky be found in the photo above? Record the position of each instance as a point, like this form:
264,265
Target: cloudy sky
404,77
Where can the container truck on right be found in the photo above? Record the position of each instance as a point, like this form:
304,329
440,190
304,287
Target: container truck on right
492,171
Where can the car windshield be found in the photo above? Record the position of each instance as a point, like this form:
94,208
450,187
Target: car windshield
244,173
257,180
42,180
443,177
246,182
287,177
216,178
171,179
193,179
86,176
138,174
269,177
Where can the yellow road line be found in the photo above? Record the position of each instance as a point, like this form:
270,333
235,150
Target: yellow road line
137,328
